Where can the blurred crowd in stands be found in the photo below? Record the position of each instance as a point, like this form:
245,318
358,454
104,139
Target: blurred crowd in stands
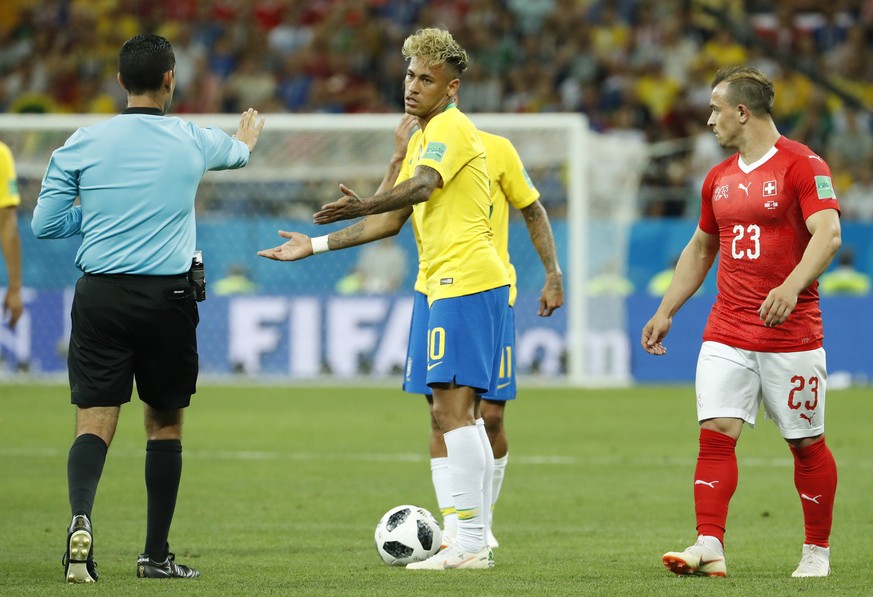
634,67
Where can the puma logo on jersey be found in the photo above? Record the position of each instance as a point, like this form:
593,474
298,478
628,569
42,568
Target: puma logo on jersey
808,418
813,499
707,483
745,187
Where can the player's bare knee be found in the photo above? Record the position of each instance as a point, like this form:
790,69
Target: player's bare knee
727,426
803,442
492,414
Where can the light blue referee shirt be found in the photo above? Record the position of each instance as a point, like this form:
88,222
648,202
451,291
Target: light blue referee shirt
136,176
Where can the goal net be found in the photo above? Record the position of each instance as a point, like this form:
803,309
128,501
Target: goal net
313,319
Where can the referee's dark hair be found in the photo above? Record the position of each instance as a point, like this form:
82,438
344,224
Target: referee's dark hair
142,62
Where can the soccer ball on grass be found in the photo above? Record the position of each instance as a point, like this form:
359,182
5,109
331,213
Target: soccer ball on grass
407,534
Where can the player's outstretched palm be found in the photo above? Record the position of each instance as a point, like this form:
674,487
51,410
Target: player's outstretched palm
346,208
299,246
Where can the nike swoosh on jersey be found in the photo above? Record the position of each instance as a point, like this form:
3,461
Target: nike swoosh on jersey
500,386
432,365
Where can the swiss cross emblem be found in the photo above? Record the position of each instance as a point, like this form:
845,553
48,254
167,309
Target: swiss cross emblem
770,188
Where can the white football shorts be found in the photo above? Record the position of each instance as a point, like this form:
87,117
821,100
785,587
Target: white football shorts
732,382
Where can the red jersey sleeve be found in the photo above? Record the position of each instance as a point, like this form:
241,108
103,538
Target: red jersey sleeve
707,221
811,179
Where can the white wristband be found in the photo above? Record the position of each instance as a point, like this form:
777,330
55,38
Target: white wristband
319,244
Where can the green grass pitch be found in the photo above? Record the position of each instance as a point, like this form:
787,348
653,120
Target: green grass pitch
282,488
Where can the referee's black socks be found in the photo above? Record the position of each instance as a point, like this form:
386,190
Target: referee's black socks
84,468
163,470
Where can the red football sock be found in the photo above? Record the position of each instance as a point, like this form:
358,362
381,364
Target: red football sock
815,476
715,480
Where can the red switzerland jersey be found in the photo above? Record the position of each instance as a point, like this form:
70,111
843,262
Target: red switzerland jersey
759,213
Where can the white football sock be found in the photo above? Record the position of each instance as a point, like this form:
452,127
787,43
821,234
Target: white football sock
467,467
442,486
488,478
499,473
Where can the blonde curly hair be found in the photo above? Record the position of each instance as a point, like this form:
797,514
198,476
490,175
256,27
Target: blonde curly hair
436,46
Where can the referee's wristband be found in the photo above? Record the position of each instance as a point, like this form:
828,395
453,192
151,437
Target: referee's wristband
319,244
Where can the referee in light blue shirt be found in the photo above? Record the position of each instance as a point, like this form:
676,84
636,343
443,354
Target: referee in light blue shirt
134,314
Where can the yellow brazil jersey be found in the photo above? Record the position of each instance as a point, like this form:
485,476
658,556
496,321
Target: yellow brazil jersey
453,225
8,180
421,278
510,185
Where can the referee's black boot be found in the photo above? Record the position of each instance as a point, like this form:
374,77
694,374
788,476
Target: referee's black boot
148,568
79,565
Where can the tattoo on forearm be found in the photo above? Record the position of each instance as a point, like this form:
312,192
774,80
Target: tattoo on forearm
537,221
409,192
346,237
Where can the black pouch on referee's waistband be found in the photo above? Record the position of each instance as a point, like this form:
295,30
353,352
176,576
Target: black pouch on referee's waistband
197,277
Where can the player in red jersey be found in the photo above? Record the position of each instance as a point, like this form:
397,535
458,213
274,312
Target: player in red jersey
770,212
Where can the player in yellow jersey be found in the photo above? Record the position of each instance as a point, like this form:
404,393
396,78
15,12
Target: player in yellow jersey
13,306
444,181
510,186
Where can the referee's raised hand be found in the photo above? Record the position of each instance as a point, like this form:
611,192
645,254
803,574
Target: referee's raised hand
249,128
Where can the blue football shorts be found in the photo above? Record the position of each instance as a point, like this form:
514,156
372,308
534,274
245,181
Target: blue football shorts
465,338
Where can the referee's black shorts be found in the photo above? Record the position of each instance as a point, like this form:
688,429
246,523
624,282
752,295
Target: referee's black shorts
133,327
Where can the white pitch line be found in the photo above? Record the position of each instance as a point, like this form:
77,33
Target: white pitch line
256,455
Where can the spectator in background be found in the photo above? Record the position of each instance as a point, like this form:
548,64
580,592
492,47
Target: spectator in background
610,282
794,93
190,55
530,14
291,35
815,123
250,84
849,146
845,279
656,89
380,269
13,305
678,52
722,49
237,281
660,282
204,94
857,200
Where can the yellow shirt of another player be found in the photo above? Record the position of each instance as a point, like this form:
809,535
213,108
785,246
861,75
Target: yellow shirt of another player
510,185
8,181
454,223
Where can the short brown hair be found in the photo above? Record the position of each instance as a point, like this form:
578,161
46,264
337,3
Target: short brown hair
747,86
436,46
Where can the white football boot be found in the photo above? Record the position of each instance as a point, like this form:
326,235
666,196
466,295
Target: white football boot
452,558
704,558
815,561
